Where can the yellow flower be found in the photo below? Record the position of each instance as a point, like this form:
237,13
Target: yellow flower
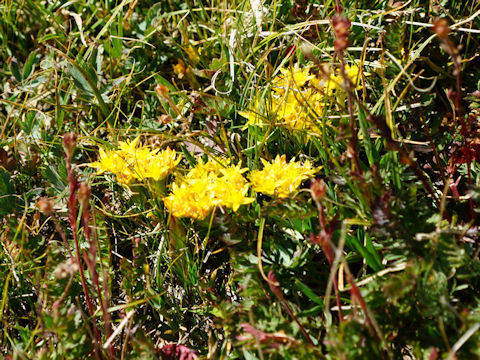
128,147
179,68
130,162
253,115
330,86
291,79
231,188
300,110
207,185
294,101
353,73
298,98
192,199
280,179
286,108
113,162
156,165
232,198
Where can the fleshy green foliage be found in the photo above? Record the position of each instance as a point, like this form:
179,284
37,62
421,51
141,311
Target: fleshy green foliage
388,230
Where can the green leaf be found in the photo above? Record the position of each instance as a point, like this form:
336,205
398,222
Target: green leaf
248,355
368,253
57,177
161,80
79,80
15,70
49,37
371,249
29,66
308,292
370,150
190,158
117,41
32,124
314,311
7,193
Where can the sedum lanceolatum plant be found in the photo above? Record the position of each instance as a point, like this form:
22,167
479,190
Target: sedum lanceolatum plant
275,180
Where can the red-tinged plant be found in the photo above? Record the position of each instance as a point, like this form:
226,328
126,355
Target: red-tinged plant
178,352
273,340
277,290
467,153
318,191
80,193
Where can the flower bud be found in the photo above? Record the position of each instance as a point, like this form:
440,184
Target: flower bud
45,206
341,28
83,194
161,90
69,143
66,269
440,26
340,44
165,119
307,50
318,189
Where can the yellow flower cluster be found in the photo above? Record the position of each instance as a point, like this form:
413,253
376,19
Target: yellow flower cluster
207,185
280,178
299,97
217,183
130,162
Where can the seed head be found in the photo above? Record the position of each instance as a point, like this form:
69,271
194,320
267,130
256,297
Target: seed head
341,28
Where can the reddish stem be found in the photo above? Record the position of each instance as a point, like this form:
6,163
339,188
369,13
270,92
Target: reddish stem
72,216
91,265
442,30
323,239
279,294
353,131
458,110
355,292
